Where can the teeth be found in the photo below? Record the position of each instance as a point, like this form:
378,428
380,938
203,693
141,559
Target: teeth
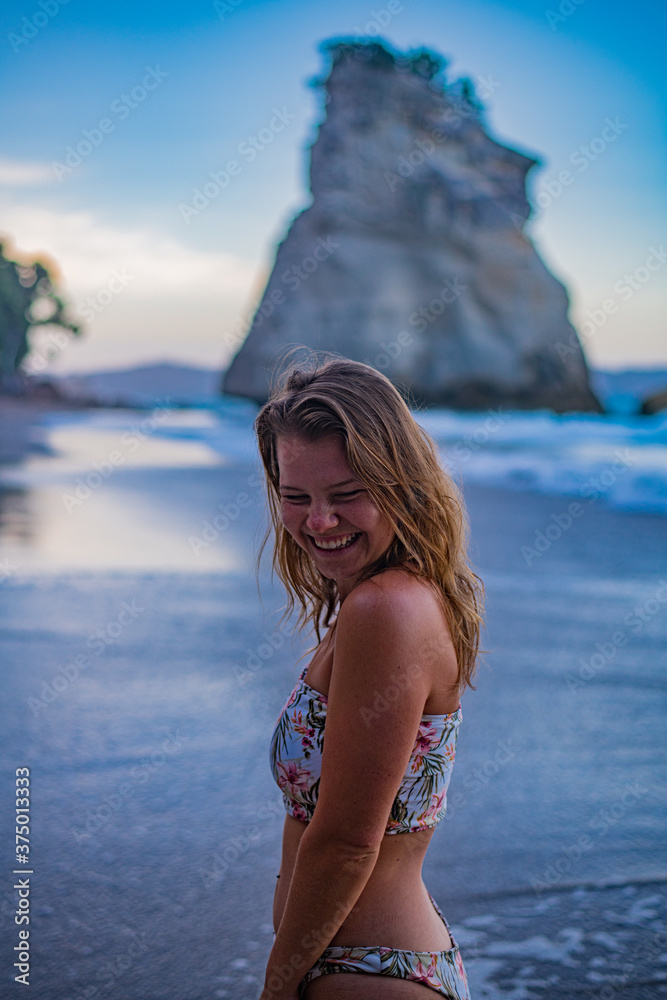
340,544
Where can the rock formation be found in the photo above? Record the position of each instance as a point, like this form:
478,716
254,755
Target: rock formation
412,255
656,403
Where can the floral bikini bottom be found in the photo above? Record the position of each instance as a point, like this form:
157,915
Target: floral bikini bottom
443,971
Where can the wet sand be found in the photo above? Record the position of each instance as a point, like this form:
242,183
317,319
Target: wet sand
142,679
19,428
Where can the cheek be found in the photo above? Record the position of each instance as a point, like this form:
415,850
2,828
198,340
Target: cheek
290,519
388,532
285,517
372,519
382,528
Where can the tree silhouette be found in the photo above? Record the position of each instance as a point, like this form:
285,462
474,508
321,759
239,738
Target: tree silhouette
27,299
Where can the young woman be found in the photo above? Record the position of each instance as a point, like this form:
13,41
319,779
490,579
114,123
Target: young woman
370,540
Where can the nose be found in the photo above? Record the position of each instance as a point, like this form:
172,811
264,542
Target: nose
321,518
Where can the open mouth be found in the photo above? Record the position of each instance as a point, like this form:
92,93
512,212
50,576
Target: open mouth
336,544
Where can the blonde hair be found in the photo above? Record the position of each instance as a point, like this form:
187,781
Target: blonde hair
398,464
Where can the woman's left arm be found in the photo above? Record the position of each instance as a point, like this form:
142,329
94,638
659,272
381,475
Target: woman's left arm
379,643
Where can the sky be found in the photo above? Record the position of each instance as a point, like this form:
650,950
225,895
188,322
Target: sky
158,96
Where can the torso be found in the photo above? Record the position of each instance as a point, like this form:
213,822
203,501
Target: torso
394,909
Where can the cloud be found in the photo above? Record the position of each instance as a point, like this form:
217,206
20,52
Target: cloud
171,299
14,173
87,251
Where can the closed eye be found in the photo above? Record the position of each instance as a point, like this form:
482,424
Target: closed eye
348,496
303,498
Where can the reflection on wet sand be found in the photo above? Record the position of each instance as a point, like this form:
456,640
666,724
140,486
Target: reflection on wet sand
107,494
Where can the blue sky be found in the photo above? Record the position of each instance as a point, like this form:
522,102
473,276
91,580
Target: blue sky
157,286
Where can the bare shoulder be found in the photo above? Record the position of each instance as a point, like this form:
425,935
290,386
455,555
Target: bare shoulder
402,614
395,592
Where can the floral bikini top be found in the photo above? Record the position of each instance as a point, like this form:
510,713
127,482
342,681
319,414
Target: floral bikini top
296,762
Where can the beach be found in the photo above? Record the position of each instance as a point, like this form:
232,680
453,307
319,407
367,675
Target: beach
144,674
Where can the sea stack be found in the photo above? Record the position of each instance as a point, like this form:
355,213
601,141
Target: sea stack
412,256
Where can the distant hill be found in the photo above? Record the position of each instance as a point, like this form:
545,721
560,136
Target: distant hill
619,391
147,384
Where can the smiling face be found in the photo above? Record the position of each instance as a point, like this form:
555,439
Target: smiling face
328,511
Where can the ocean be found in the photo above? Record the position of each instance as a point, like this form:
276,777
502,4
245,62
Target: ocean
614,459
142,676
617,460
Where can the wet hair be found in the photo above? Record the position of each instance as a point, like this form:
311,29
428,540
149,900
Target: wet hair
397,462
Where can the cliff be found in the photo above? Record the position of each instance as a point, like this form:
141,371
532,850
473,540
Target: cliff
412,255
